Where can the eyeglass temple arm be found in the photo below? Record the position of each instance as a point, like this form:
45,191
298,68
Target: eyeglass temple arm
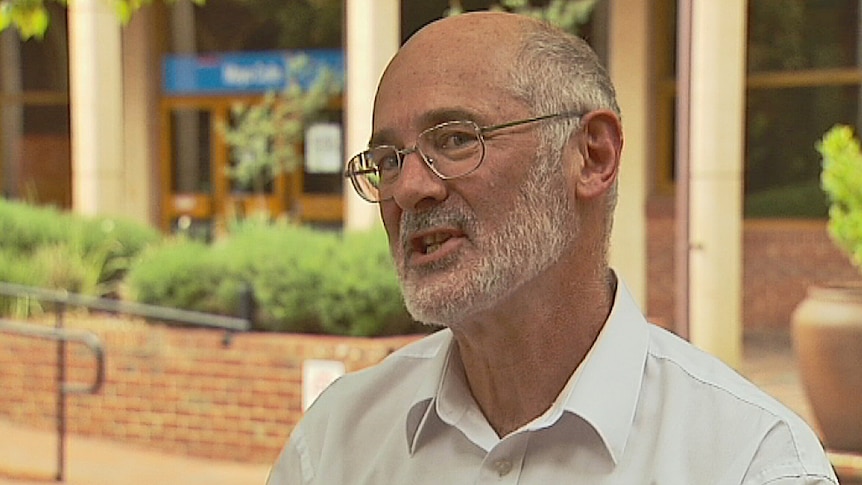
565,114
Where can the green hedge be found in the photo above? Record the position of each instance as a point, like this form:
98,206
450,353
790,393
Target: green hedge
303,280
45,247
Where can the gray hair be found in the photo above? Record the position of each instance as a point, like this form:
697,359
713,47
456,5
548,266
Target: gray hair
558,72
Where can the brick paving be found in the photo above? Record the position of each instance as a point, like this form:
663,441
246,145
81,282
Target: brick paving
28,457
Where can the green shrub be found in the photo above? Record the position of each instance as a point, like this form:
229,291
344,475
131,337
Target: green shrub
113,243
360,293
285,265
841,179
184,274
61,250
24,228
303,280
14,269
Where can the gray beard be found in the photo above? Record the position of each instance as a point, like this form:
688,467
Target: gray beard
535,232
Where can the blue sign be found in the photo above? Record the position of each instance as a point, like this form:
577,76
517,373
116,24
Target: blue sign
249,72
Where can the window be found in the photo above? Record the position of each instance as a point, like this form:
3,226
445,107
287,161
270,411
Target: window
35,153
803,77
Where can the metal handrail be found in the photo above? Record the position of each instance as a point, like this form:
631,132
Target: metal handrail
128,308
61,336
64,299
85,337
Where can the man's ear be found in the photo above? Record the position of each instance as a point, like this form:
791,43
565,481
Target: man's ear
601,146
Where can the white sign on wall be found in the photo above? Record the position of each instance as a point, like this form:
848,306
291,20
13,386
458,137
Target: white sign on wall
317,375
323,148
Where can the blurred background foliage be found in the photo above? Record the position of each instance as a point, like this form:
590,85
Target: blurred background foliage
303,279
33,17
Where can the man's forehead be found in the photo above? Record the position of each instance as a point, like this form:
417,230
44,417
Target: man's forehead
445,59
456,68
476,28
389,135
407,105
473,44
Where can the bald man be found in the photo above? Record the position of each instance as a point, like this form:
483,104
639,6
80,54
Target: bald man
494,157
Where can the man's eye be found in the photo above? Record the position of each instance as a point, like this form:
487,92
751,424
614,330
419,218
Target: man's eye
387,163
454,140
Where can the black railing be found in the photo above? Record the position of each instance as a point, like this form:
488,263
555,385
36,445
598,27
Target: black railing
63,335
62,300
135,309
85,337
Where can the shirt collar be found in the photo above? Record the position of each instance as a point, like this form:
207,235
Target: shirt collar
420,406
604,392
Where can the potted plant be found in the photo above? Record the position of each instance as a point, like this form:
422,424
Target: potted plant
265,138
827,324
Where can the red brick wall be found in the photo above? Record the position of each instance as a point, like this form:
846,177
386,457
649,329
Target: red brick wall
178,390
781,258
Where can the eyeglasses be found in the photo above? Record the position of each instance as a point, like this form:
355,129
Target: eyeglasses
451,150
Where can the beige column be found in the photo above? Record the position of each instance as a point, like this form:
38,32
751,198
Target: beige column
96,105
717,123
629,69
373,37
140,102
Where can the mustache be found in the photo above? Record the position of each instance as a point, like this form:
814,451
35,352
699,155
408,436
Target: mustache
413,222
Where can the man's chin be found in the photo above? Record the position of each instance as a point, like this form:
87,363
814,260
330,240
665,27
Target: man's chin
434,309
431,315
444,308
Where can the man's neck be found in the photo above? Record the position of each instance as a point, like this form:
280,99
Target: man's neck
519,357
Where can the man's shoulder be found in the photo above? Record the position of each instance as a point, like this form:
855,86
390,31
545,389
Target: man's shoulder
362,407
677,358
411,357
699,388
426,347
394,379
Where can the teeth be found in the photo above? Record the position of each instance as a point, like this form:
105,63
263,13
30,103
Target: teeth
433,242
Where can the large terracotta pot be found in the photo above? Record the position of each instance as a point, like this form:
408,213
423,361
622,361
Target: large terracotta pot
827,337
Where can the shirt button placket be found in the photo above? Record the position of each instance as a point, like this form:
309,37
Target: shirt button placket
503,467
503,463
497,471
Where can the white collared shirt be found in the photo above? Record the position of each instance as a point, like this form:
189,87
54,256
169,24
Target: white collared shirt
644,407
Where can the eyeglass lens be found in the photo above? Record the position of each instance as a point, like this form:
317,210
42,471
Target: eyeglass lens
451,150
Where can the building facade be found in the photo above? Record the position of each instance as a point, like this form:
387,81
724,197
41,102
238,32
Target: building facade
722,103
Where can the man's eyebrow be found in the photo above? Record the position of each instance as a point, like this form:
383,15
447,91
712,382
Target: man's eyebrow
443,115
380,138
428,119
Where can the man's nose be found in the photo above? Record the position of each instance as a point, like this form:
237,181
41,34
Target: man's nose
417,185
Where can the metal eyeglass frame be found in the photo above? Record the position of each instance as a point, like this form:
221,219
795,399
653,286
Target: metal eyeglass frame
481,131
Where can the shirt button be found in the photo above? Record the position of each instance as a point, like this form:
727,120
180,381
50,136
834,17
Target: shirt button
503,467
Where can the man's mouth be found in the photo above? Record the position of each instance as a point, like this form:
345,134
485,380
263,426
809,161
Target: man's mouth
432,242
430,237
428,243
